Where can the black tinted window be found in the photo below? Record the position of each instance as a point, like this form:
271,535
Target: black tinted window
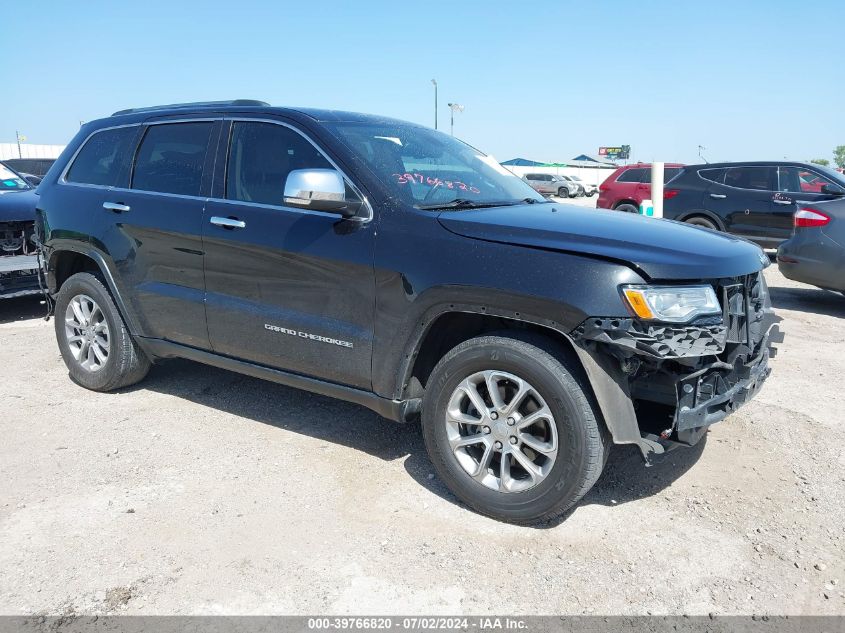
713,175
104,159
171,157
670,172
759,178
260,159
633,175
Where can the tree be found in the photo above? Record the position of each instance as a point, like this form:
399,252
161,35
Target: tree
821,161
839,156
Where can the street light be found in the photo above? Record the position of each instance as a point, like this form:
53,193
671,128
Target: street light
454,107
434,81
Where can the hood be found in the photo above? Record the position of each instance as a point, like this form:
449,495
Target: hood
18,206
660,249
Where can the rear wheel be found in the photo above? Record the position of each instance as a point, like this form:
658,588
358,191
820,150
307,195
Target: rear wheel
510,430
563,192
95,344
701,221
627,208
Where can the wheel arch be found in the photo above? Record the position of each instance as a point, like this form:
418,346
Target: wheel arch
65,262
619,203
602,379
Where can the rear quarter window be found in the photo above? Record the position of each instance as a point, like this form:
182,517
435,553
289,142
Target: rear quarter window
632,175
712,175
104,158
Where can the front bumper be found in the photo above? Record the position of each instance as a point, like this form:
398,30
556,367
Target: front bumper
662,385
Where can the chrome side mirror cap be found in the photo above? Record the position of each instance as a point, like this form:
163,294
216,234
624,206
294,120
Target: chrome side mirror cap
319,190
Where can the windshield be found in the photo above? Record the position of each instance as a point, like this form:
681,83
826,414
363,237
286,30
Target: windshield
831,173
10,181
430,170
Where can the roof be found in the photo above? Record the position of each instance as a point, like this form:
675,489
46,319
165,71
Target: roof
253,106
522,162
594,159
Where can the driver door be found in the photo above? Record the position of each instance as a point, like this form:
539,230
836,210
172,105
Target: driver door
286,287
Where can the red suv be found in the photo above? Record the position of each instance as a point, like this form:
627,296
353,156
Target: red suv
628,186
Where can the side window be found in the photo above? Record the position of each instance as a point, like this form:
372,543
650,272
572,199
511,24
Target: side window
757,178
669,173
171,157
713,175
261,156
788,180
104,159
632,175
809,181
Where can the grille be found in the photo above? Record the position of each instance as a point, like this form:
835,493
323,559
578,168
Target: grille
743,301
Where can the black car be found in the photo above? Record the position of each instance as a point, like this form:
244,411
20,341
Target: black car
815,254
37,167
18,249
753,200
396,267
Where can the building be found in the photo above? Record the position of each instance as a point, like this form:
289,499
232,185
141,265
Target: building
590,169
29,150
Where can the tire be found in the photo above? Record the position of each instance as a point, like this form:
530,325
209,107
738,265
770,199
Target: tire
563,192
627,208
123,364
573,427
703,222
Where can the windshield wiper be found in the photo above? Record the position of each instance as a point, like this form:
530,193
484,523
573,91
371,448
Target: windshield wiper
460,203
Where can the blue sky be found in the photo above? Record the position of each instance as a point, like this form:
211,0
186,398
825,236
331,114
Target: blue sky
748,79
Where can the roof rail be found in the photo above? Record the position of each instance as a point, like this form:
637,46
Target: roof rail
196,104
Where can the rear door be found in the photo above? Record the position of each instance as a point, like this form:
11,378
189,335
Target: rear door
154,229
743,200
285,287
630,186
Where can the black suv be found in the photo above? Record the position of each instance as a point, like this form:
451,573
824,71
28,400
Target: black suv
396,267
752,200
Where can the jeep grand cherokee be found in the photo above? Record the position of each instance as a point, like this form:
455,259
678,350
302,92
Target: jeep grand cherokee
396,267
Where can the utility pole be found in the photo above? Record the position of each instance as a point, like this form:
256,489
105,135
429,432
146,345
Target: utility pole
18,138
434,81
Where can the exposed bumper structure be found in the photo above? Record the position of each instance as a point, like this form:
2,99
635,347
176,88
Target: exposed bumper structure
18,260
660,385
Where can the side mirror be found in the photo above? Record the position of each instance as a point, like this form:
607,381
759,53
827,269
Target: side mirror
833,190
319,190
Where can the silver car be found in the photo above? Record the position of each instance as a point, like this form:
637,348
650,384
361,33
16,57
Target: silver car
550,185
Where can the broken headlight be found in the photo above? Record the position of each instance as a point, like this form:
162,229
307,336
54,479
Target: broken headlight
674,304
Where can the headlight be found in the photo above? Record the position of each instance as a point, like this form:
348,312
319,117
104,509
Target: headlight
675,304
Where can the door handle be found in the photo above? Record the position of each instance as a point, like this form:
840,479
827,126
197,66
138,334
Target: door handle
718,196
779,201
228,223
116,207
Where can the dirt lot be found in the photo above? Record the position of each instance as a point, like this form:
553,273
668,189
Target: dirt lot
202,491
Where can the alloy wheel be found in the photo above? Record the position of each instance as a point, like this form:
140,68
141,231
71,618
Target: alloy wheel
87,333
501,431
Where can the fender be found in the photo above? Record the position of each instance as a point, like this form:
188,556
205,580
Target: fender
102,265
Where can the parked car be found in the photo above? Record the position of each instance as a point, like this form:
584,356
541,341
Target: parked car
394,266
815,254
627,187
756,201
588,189
550,185
18,251
34,166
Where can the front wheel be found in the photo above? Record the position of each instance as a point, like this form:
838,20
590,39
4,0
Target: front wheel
95,344
563,192
511,430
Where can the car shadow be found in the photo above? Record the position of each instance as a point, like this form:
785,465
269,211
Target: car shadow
808,299
625,477
21,309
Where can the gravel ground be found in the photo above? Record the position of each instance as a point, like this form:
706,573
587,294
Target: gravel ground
206,492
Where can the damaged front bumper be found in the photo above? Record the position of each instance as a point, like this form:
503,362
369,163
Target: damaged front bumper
660,385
